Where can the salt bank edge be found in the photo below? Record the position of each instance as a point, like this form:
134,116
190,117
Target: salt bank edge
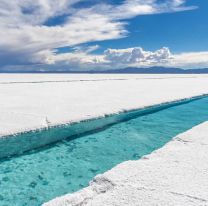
28,140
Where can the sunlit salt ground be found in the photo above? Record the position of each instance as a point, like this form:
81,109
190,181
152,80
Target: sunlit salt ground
69,165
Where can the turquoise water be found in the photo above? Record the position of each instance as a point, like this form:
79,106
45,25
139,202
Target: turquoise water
69,165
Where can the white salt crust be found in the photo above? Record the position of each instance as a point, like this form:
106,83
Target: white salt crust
35,101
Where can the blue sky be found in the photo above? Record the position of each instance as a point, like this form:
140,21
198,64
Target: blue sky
181,32
96,34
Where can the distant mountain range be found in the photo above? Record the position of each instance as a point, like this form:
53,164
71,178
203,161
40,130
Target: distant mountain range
154,70
128,70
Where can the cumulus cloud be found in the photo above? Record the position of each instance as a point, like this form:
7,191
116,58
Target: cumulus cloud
137,56
28,38
82,59
111,58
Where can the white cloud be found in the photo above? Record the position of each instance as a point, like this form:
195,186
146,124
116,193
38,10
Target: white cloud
120,58
137,56
30,12
190,60
112,58
26,38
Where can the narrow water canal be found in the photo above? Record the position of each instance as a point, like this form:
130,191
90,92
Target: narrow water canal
36,177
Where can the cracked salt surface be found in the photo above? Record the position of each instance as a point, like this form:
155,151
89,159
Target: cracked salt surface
176,174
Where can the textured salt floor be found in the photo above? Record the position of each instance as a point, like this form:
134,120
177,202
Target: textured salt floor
33,101
174,175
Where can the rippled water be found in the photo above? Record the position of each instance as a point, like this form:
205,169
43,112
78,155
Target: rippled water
67,166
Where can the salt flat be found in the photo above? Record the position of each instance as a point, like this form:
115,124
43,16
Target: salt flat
173,175
33,101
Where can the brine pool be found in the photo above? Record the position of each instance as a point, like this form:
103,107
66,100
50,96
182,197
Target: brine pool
67,166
